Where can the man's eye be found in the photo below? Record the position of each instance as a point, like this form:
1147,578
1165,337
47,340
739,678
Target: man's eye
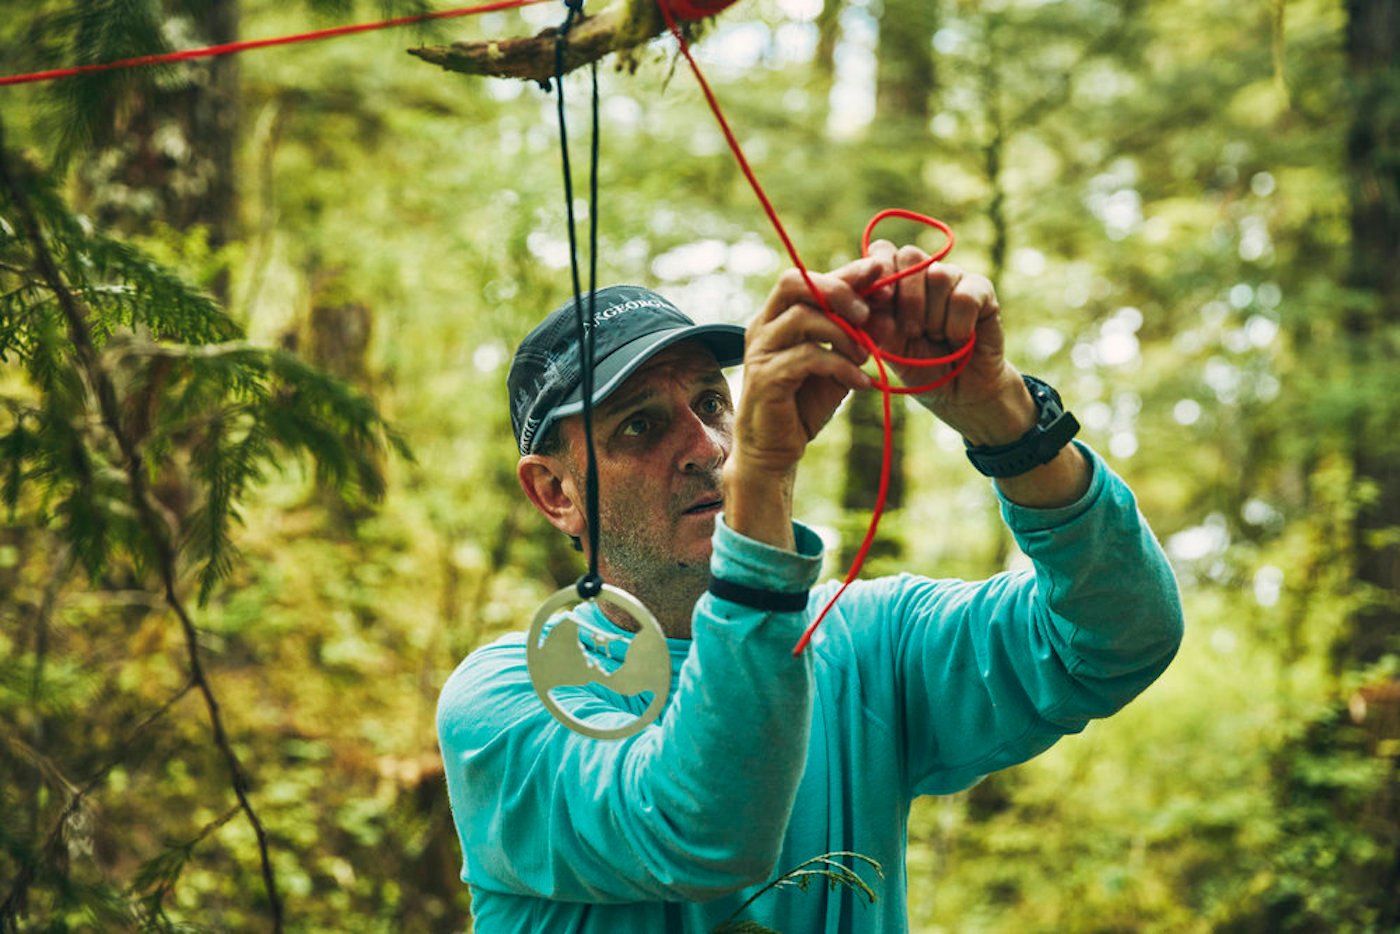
634,427
712,405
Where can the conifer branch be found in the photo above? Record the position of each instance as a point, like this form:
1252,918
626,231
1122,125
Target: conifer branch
148,512
157,878
14,899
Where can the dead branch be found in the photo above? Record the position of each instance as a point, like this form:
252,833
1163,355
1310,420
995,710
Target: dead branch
620,27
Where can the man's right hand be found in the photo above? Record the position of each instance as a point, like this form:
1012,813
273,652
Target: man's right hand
798,366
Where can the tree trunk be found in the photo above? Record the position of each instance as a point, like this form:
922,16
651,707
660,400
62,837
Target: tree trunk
167,157
828,33
1373,151
904,82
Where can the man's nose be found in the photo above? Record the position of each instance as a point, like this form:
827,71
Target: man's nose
705,446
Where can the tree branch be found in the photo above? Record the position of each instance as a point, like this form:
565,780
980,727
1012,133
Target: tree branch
620,27
148,512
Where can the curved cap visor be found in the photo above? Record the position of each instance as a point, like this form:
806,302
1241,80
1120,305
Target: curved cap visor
725,341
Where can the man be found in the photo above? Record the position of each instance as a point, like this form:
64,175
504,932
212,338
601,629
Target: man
763,760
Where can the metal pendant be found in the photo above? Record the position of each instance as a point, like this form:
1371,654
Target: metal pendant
558,659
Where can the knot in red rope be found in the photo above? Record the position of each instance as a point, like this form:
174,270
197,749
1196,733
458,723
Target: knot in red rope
959,356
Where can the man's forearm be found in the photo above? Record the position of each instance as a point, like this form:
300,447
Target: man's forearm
1005,418
1059,483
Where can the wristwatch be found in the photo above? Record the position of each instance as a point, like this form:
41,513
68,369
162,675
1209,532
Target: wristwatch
1053,429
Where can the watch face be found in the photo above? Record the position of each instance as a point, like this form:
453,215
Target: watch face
1047,400
1040,388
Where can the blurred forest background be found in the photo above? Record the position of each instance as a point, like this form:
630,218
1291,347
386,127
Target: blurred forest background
255,456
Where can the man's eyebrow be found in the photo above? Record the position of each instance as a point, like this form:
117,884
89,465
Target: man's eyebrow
714,378
611,407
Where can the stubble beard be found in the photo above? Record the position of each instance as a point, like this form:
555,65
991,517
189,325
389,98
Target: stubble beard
638,554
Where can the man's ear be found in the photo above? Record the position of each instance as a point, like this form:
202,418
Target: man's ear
553,491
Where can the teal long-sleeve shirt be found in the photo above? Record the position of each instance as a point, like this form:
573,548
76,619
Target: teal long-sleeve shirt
761,761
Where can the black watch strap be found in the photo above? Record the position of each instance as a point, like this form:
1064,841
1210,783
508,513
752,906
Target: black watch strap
1054,428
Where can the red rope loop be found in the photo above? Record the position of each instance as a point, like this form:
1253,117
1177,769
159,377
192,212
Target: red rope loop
958,356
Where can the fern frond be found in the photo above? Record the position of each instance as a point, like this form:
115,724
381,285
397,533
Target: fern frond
156,878
17,307
191,382
207,534
152,296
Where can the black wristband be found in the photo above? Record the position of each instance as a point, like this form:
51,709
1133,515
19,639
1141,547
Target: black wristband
757,599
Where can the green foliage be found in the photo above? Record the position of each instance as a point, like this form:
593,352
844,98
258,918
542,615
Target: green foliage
83,109
191,384
90,110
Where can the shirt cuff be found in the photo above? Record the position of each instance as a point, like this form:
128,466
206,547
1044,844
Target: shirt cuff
1028,519
752,563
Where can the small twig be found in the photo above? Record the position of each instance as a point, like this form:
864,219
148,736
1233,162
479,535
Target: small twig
837,873
166,886
119,350
148,513
48,770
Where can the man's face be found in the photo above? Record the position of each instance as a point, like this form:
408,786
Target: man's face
660,439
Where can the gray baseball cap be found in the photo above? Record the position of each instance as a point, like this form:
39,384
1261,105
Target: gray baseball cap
633,324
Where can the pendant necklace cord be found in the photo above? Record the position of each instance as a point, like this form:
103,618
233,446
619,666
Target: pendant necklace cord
590,583
559,664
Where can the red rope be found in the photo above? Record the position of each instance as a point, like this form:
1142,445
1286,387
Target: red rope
957,358
697,9
230,48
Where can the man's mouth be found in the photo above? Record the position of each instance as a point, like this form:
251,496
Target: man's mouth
705,507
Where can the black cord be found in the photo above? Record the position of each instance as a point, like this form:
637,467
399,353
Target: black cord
591,583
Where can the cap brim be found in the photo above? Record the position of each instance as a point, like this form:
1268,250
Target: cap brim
725,341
